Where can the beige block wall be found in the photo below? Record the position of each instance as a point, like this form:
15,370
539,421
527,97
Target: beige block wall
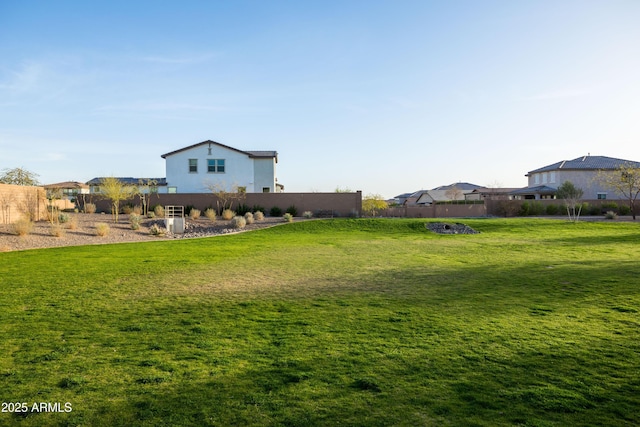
19,201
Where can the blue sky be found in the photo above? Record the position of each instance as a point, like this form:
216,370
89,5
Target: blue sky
380,96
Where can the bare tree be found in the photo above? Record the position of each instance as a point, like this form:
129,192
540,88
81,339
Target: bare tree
572,199
624,180
146,187
454,193
226,198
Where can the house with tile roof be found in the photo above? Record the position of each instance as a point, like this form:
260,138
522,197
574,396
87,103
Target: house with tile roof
581,172
209,164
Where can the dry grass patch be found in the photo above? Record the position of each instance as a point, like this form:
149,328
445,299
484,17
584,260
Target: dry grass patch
102,229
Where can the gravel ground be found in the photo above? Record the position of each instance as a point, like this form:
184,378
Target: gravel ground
84,231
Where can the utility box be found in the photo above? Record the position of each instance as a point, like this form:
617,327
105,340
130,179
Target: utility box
174,219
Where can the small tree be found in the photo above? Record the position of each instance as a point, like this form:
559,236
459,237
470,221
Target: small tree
146,187
571,196
19,176
625,180
372,204
53,194
116,191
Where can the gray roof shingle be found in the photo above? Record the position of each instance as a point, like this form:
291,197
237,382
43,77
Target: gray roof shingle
586,163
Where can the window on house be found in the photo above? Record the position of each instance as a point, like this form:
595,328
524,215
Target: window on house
536,178
215,165
193,165
602,196
172,190
552,177
266,189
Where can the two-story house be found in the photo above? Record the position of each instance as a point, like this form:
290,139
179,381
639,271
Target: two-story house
582,172
209,165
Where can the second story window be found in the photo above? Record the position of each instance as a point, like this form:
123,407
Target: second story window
193,165
215,165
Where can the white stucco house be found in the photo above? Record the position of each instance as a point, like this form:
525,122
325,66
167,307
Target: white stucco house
199,167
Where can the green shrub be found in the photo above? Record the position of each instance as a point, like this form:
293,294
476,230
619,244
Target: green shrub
536,209
151,214
22,227
187,209
102,229
275,211
242,209
228,214
624,210
135,220
524,209
258,215
609,206
288,217
210,213
292,210
552,209
238,222
257,208
63,217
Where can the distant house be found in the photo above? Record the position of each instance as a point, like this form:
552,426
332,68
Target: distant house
152,185
200,167
443,193
484,193
581,172
69,189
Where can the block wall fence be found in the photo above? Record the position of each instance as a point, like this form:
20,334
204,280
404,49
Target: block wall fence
20,201
341,204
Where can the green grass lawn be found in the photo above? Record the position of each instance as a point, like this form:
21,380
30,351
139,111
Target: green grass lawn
336,322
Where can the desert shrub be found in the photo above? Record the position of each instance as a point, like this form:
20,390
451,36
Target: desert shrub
156,230
187,209
102,229
624,210
73,223
194,213
238,222
90,208
611,215
22,227
63,218
228,214
158,210
256,208
287,217
275,211
57,230
307,214
210,213
292,210
127,209
137,209
135,220
552,209
151,214
242,209
249,218
258,215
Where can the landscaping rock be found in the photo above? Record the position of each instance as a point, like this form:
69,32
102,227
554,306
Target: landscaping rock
446,228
